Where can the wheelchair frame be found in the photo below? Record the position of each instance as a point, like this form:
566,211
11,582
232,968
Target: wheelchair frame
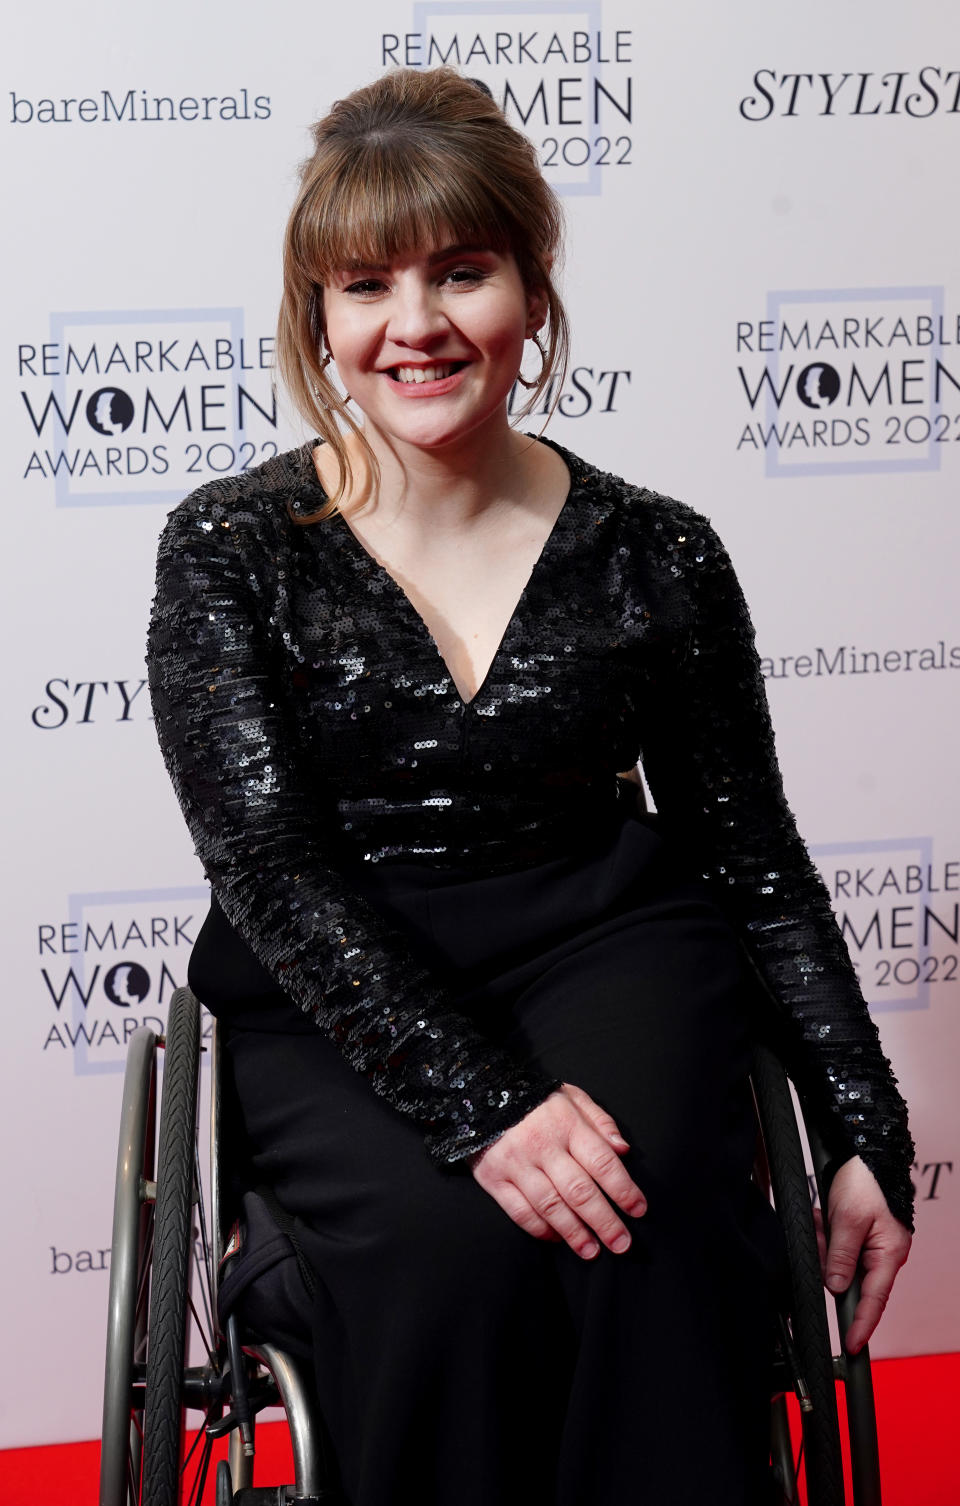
164,1270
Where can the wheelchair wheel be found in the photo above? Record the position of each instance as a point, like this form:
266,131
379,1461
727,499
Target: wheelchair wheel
166,1329
806,1340
808,1331
131,1250
158,1277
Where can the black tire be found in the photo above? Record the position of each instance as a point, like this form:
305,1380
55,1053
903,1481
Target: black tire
808,1315
224,1495
163,1407
131,1255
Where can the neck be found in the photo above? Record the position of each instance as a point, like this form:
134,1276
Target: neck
448,487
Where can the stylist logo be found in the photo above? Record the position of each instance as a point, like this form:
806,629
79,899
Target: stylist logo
911,94
560,74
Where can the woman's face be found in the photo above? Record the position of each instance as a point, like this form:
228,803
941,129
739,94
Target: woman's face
430,345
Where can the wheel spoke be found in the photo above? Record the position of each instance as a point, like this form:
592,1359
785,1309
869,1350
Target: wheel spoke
204,1322
200,1433
207,1260
204,1336
200,1478
143,1276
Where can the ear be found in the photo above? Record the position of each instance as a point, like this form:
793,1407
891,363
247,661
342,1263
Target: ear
538,301
537,310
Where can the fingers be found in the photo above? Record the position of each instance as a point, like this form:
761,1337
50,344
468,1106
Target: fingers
882,1268
847,1234
558,1174
518,1207
603,1123
603,1165
580,1204
863,1232
562,1199
551,1204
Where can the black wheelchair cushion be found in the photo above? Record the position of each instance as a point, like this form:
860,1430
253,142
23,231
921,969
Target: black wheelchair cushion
264,1275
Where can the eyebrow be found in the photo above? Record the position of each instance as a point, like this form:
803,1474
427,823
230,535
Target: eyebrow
447,253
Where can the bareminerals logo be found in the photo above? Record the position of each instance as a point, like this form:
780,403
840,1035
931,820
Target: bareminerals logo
107,107
559,74
819,661
848,380
141,405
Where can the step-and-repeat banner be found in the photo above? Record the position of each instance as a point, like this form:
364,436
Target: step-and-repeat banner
764,289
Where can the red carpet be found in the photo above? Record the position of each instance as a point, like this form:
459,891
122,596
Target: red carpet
918,1401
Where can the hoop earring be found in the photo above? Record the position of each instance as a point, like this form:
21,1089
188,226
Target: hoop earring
535,337
318,392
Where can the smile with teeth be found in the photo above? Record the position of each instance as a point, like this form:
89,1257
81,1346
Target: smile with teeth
434,373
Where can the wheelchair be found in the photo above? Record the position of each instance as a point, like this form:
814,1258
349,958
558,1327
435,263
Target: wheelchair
168,1243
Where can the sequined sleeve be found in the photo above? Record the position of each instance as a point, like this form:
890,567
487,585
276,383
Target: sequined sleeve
711,763
257,824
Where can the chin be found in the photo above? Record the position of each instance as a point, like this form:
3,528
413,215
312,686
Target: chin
439,435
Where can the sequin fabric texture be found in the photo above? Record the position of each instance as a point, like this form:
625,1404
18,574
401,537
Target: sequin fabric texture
310,726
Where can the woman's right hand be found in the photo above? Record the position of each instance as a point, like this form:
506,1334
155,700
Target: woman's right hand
554,1172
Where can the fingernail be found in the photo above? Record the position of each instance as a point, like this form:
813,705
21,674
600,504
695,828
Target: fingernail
836,1283
621,1244
618,1139
589,1250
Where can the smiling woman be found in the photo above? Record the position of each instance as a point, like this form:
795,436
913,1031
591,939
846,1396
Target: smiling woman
485,1027
431,325
419,165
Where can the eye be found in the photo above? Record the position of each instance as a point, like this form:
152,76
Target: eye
464,276
365,287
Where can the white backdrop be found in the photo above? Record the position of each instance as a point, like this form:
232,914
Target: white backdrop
763,281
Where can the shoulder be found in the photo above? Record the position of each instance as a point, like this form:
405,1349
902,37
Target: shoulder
652,519
246,511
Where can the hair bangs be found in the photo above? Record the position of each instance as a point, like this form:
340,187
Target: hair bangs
391,200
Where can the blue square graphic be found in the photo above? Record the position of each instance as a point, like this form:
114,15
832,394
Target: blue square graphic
68,496
82,908
427,11
918,980
776,301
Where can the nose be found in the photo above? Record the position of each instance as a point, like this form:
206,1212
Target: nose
417,319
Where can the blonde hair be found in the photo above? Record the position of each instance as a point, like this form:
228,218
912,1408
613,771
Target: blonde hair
418,156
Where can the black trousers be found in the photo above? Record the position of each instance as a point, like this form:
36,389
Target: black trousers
461,1362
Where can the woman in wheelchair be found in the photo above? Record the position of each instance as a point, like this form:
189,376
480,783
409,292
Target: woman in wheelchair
486,1022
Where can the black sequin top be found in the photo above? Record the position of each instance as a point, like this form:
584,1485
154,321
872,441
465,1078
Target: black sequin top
309,724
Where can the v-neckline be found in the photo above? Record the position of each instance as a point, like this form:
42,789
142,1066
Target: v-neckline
372,565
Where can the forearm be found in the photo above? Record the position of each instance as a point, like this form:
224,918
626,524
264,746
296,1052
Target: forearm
231,748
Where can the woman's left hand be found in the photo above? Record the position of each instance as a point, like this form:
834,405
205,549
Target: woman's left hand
864,1233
